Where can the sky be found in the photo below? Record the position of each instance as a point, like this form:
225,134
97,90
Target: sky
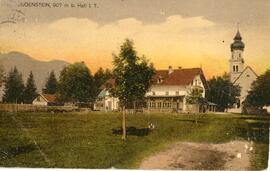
180,33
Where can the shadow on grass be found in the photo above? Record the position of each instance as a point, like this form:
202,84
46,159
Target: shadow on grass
133,131
14,151
258,132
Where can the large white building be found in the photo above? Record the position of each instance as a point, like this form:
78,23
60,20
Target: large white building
239,73
168,93
171,87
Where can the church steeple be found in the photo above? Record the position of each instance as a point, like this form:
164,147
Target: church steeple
237,60
237,44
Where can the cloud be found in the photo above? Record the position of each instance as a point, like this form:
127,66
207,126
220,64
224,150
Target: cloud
73,23
179,41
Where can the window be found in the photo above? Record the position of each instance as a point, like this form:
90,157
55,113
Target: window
236,68
233,68
154,93
164,104
248,75
167,93
38,98
195,82
152,104
159,105
177,93
159,79
167,104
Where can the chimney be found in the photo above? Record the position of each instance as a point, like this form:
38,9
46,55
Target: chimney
170,69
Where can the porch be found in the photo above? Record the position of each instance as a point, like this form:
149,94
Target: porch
165,104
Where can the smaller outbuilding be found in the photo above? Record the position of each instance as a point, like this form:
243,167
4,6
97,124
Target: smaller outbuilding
105,101
45,100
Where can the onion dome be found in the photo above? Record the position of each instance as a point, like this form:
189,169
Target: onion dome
237,44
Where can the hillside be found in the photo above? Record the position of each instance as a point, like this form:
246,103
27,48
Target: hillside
25,64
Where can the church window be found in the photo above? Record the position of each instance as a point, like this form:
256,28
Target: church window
239,55
236,68
233,68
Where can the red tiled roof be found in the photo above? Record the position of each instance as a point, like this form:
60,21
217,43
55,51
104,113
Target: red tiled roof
177,77
181,77
49,97
110,82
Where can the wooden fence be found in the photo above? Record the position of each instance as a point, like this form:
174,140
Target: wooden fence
35,108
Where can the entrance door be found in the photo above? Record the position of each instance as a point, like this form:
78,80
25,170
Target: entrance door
109,105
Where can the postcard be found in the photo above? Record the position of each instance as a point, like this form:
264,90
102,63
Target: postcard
135,84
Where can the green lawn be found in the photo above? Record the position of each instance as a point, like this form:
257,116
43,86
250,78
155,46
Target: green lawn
92,140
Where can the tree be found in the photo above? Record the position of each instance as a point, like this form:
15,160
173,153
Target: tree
259,95
76,84
195,96
30,91
100,77
133,77
14,87
222,92
51,84
1,75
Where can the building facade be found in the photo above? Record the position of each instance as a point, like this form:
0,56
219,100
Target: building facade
240,74
105,101
168,92
171,87
45,100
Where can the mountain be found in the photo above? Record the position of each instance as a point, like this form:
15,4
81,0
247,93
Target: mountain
25,64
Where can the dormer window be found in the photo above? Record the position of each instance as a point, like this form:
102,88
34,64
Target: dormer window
159,80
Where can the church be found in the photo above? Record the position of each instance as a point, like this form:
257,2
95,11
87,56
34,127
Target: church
240,74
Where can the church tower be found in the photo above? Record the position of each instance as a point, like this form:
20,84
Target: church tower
236,61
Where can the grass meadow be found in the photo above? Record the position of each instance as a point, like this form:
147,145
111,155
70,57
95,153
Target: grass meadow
93,140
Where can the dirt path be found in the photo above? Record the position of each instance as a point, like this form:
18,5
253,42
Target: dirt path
234,155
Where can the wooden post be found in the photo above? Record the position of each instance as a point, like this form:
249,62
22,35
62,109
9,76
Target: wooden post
124,136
